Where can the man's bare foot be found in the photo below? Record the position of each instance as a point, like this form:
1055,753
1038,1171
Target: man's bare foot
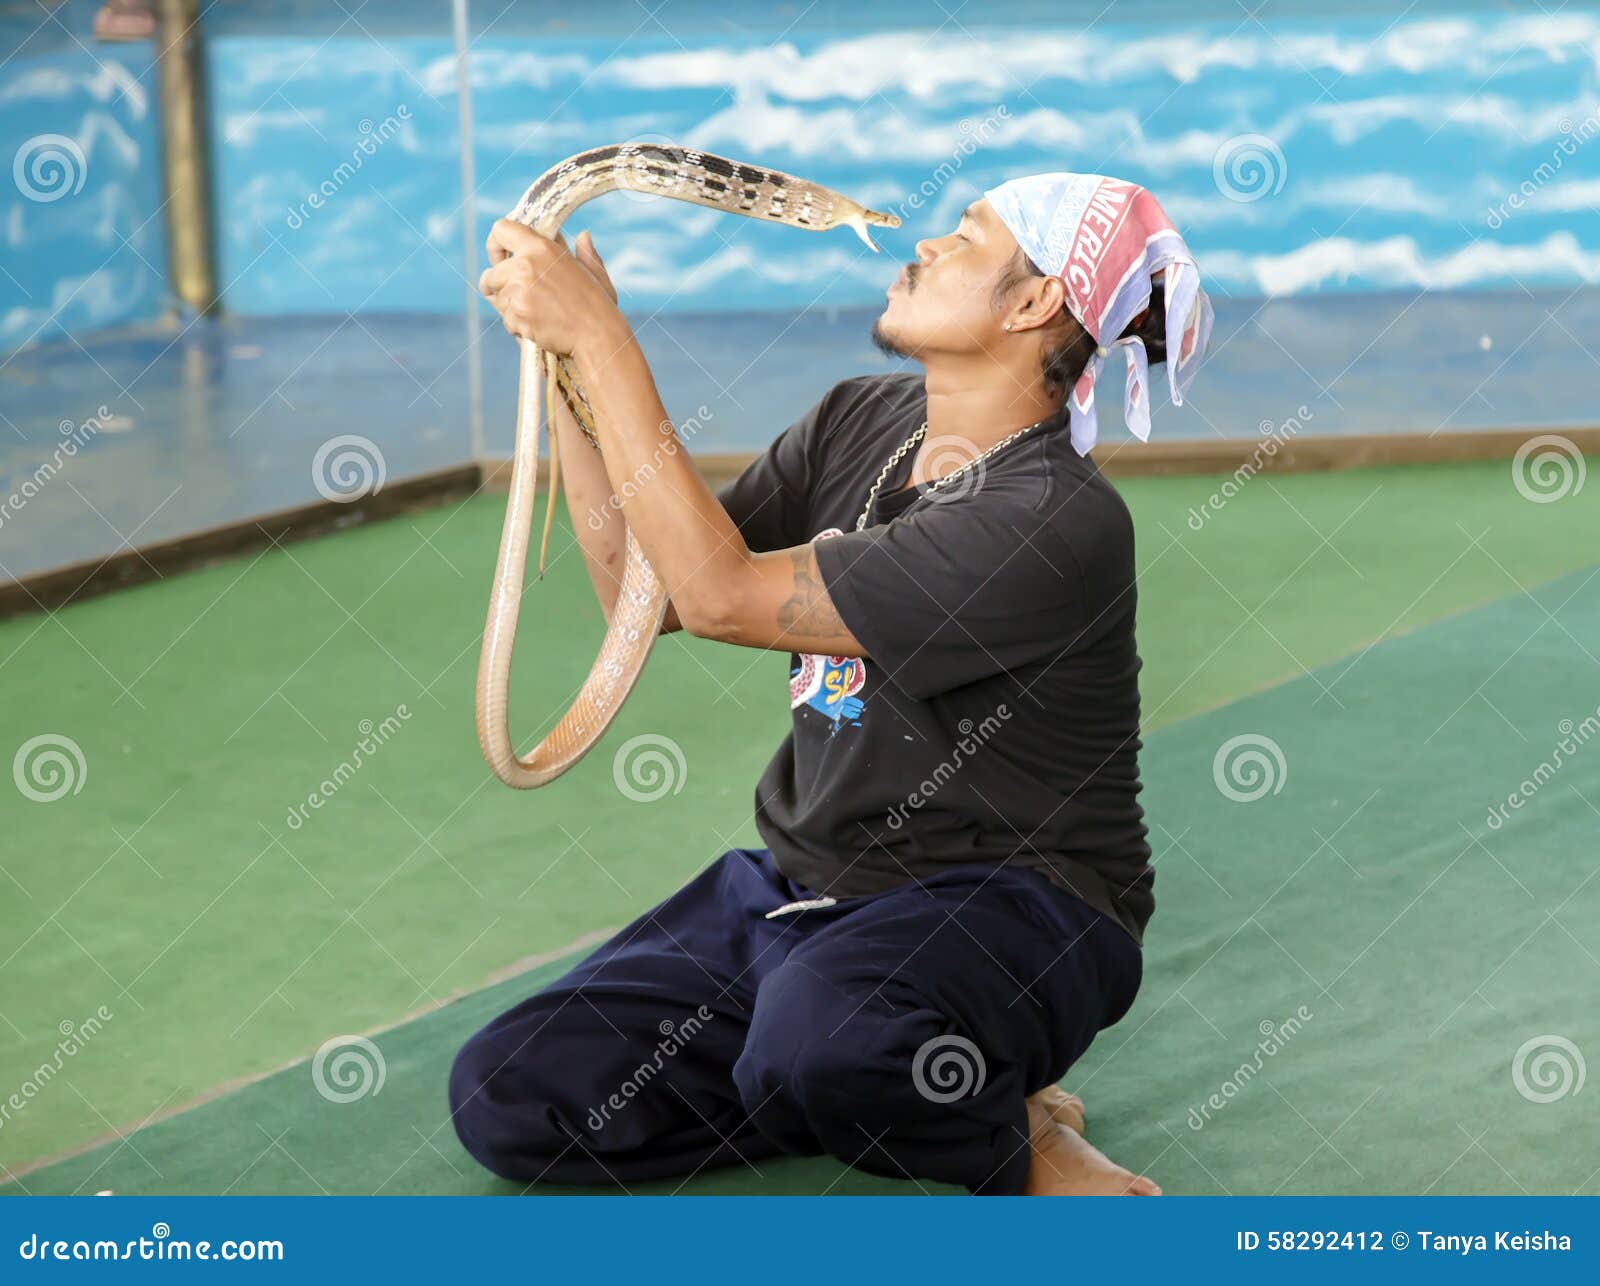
1066,1164
1065,1109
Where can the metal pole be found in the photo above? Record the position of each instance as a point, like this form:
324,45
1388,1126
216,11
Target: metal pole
469,232
185,157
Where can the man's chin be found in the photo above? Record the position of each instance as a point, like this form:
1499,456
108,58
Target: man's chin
888,342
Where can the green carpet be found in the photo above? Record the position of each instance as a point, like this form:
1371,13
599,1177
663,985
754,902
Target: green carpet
1356,937
173,891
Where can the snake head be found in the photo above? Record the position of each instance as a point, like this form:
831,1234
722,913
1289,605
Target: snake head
860,219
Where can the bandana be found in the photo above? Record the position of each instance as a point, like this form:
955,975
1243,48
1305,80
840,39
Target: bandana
1108,239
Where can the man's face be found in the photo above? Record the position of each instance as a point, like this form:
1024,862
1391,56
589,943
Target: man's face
944,302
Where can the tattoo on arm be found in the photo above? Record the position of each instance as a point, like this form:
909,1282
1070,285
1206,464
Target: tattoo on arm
809,610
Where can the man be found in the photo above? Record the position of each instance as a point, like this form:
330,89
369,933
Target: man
956,876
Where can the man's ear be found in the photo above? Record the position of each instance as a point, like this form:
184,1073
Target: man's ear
1055,297
1039,303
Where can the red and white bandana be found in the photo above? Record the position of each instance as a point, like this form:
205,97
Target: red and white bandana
1107,239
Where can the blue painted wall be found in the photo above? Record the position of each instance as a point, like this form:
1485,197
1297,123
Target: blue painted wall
1458,147
81,237
1382,151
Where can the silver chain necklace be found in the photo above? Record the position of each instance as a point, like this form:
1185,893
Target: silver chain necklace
917,437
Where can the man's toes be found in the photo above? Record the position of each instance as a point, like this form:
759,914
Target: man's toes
1143,1187
1056,1101
1067,1109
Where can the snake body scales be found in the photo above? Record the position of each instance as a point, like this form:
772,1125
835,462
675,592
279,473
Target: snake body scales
682,175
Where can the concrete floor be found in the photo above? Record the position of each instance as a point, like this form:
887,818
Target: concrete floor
175,432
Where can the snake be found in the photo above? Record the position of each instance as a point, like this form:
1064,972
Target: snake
681,174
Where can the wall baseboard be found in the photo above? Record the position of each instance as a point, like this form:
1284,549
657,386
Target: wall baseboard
49,590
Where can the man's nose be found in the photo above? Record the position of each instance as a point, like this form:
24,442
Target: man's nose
927,252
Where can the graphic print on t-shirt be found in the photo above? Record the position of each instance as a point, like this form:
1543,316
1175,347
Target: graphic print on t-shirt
829,683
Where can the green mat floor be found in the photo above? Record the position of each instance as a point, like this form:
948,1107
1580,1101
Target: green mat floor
175,891
1345,962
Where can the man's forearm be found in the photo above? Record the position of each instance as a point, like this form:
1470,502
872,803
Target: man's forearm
692,543
595,521
596,517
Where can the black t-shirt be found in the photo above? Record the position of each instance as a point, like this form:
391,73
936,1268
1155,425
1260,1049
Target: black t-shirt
996,715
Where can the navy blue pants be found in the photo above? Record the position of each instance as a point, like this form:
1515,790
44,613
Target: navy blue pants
898,1032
